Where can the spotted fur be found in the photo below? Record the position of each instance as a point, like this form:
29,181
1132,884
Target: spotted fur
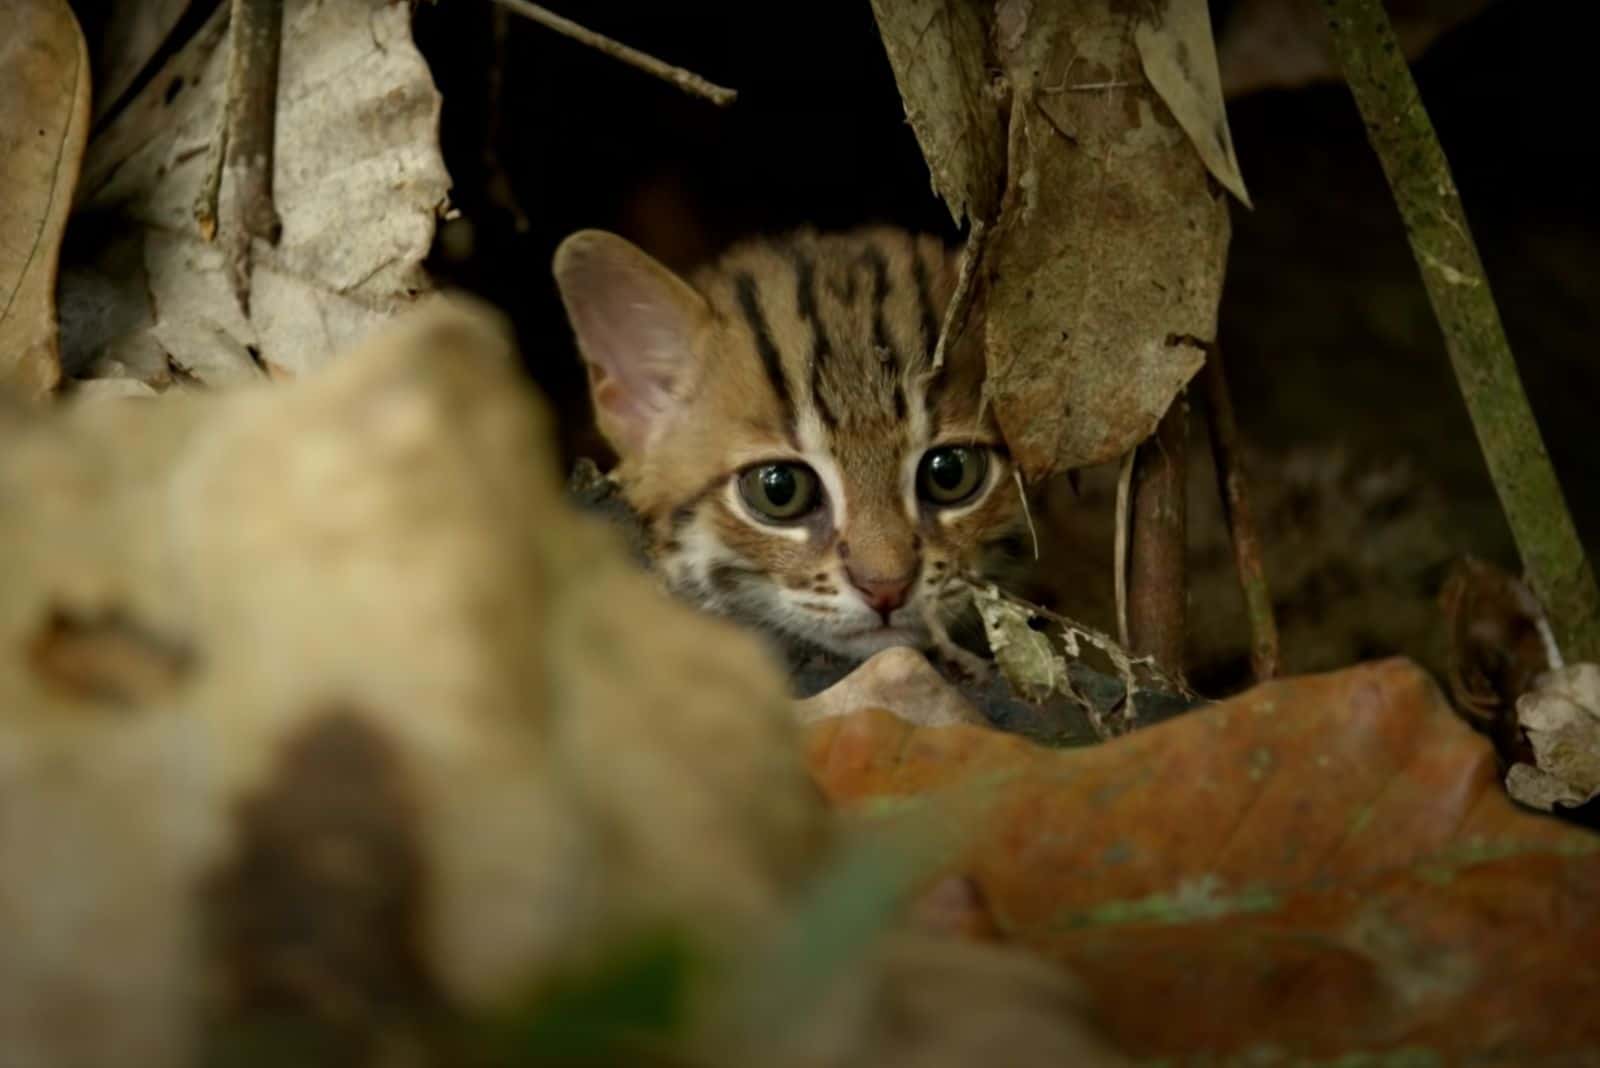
814,349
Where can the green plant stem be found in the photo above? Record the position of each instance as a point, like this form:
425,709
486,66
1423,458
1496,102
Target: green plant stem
1404,139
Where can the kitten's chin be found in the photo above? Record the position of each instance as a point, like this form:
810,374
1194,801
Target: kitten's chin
860,644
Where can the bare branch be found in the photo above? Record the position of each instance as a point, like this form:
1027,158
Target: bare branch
1157,572
251,118
1224,431
688,81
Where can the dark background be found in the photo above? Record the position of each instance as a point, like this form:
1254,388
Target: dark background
1369,477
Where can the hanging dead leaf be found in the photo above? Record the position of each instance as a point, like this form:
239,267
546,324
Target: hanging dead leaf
1341,837
44,118
937,49
1105,268
359,181
1180,59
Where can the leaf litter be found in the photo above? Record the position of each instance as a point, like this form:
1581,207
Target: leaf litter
359,183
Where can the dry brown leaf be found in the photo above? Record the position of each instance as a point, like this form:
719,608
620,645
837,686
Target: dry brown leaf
1323,866
937,49
44,119
1105,269
359,181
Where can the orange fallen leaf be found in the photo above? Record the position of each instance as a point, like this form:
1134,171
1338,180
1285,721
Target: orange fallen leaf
1321,866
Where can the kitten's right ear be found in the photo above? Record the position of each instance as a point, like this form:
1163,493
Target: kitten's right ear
638,325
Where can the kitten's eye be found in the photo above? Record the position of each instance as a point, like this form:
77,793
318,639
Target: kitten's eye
780,492
951,473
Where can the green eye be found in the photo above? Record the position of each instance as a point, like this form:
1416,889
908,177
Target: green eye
951,473
780,492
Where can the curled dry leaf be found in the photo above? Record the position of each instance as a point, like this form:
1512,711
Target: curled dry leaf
1105,268
1180,59
1561,718
1342,836
359,181
44,119
1495,650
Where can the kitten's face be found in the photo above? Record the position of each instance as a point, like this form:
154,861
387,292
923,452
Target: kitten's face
799,463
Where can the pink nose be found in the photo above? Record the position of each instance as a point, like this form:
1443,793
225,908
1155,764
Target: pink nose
883,596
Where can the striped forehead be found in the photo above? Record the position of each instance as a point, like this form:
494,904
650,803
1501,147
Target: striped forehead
843,329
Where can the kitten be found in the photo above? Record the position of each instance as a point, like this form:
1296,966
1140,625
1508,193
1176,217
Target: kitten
781,430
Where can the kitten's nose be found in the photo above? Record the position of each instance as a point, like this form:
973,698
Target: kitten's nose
884,595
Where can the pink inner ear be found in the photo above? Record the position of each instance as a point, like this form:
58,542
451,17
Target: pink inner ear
636,325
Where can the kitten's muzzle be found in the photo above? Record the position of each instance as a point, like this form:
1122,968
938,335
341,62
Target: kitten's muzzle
883,595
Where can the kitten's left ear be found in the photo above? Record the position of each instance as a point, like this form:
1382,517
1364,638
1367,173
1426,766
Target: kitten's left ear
639,327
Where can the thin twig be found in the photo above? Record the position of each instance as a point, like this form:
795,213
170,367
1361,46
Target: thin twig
1027,513
688,81
1119,544
255,42
1436,225
1089,87
1157,572
1225,449
955,314
205,202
